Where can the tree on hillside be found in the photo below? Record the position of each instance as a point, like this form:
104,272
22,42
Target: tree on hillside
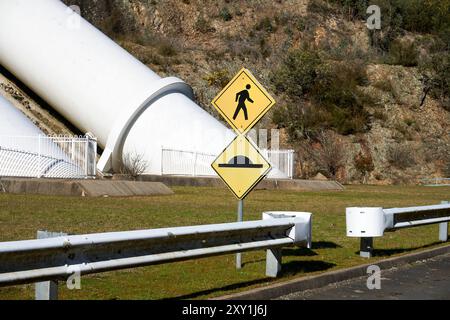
329,155
436,78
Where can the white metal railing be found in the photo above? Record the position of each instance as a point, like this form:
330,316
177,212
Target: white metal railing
435,182
283,160
369,222
197,164
48,157
57,258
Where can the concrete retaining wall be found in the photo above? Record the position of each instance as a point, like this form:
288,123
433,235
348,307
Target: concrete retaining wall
119,186
269,184
87,188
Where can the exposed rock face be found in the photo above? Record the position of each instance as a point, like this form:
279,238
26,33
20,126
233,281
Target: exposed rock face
422,132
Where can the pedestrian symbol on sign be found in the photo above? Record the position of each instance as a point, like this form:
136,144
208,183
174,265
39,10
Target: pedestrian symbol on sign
243,96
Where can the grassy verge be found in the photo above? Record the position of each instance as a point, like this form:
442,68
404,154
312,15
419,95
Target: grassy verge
21,216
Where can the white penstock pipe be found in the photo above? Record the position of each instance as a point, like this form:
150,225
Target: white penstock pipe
101,88
21,155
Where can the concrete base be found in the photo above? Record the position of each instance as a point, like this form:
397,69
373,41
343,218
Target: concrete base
268,184
85,188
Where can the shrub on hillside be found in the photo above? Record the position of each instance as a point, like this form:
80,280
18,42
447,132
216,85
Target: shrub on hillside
225,14
400,157
384,84
337,91
298,72
353,9
265,24
431,16
202,25
300,121
319,7
338,102
364,164
403,53
167,49
218,78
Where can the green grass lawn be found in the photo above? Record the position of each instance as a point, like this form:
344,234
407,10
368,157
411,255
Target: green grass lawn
22,215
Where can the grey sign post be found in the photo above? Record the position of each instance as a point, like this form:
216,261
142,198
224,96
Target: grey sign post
240,215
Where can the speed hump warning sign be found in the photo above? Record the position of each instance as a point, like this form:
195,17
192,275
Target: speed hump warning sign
243,102
241,166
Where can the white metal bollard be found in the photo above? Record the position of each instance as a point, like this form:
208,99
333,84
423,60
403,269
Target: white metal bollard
369,222
365,223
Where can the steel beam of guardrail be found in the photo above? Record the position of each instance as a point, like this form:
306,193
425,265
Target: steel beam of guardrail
367,223
58,258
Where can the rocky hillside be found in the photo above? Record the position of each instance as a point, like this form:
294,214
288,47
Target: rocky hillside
357,105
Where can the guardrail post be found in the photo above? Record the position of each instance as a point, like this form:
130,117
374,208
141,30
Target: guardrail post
47,290
443,228
273,262
366,247
301,235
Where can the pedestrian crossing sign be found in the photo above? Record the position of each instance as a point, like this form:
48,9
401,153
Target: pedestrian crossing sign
243,102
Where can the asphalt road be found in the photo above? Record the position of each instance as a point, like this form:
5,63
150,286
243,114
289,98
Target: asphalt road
427,279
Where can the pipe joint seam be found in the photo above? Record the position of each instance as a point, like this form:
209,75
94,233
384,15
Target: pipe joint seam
112,155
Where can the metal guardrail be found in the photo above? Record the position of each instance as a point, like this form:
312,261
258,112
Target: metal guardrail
58,258
367,223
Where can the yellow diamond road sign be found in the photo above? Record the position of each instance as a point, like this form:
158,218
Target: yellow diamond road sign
243,102
241,166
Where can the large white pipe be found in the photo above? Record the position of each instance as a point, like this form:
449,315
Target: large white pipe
21,155
15,123
100,87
